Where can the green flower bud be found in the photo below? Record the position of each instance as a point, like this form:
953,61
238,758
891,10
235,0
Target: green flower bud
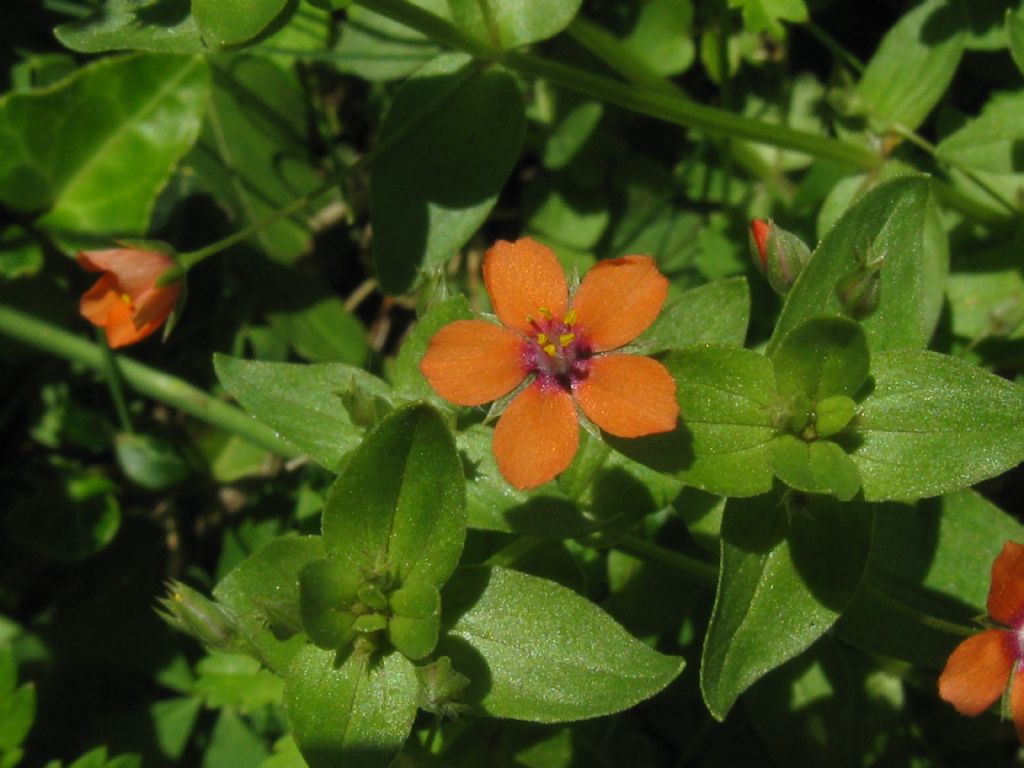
833,415
779,255
860,293
373,598
441,687
190,612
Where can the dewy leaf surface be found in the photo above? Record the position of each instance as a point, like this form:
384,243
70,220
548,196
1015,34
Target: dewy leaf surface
355,714
304,403
535,650
511,23
400,502
229,22
161,27
713,313
935,424
447,146
124,124
786,576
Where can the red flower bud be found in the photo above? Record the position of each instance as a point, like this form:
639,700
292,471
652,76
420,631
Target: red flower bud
779,255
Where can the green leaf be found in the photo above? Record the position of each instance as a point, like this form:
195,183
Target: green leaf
323,331
400,503
173,721
508,634
263,592
357,713
253,154
662,37
17,705
236,681
889,221
787,573
233,744
914,65
822,357
20,254
149,462
510,23
229,22
1015,32
161,27
933,559
990,142
125,123
727,407
375,48
304,403
765,15
713,313
819,466
446,147
935,424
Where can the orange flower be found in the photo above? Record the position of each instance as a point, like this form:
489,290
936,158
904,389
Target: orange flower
126,300
981,667
566,349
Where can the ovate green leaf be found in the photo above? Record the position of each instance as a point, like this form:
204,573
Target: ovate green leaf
124,124
446,147
787,573
400,502
355,712
535,650
935,424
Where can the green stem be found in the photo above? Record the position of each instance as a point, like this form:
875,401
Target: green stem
517,550
188,260
698,570
112,373
143,379
648,101
941,625
838,51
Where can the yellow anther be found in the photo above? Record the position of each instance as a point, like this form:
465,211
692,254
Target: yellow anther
550,349
566,339
545,313
542,339
570,318
126,299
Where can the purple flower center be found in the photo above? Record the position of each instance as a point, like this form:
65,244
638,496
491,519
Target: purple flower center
557,353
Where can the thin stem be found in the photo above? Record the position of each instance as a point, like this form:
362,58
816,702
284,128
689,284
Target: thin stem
942,625
188,260
112,374
698,570
837,50
517,550
143,379
653,102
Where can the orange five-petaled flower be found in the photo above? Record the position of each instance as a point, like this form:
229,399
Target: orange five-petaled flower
981,667
126,300
566,349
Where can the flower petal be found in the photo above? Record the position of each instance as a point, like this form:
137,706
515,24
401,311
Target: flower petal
1006,593
537,436
629,396
977,671
134,270
122,330
155,304
522,278
99,301
470,362
1017,702
618,299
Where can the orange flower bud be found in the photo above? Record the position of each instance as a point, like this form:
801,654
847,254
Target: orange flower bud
126,301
